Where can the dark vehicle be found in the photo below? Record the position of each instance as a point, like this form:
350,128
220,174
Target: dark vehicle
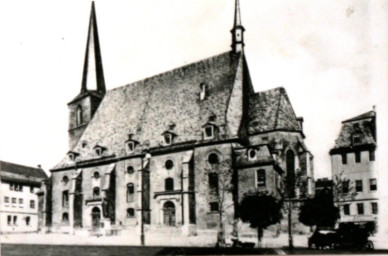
238,244
353,236
347,236
322,239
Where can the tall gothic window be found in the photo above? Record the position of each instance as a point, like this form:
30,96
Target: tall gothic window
213,182
79,120
260,178
65,198
169,184
130,192
290,163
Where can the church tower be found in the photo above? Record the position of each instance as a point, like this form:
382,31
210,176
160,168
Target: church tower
85,104
237,30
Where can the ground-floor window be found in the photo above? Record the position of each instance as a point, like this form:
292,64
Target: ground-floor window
360,208
130,213
9,220
65,217
15,220
28,218
169,214
374,208
347,209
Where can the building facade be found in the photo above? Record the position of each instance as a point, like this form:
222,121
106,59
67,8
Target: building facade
354,169
175,149
19,202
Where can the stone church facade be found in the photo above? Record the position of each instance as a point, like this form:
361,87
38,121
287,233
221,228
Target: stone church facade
163,151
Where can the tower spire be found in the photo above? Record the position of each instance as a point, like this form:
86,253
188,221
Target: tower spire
93,73
237,30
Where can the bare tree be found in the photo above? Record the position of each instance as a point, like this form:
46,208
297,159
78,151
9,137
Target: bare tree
343,189
220,179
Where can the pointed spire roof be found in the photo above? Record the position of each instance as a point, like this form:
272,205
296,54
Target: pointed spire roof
237,14
93,73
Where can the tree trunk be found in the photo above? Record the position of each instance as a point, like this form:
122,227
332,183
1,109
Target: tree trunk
290,240
221,232
259,236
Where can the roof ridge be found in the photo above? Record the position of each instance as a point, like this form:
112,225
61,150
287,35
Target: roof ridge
207,62
26,166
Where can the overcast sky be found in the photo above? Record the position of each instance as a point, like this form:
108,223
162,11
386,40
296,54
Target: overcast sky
326,53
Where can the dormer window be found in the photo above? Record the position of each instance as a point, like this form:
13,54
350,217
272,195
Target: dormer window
209,131
167,138
131,146
252,154
72,155
99,150
131,143
356,139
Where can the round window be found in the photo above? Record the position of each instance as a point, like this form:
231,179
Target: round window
252,153
169,164
213,158
130,169
96,175
65,179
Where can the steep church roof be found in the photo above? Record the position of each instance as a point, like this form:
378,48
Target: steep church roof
271,110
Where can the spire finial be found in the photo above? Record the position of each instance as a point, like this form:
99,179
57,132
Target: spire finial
238,30
93,73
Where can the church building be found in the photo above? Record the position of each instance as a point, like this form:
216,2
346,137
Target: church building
176,149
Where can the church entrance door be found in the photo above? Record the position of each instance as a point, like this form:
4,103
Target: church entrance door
96,216
169,214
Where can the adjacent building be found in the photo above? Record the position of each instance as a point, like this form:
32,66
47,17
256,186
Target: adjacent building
19,203
164,151
354,169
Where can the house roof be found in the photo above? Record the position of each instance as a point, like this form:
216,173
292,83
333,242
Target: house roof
363,126
271,110
147,108
21,173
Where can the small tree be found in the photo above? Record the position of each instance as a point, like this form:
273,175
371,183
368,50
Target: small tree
220,174
343,189
319,211
260,210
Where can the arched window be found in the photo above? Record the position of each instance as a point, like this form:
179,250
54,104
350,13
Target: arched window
65,198
213,182
130,213
65,217
260,178
96,192
213,158
169,184
130,192
290,164
79,120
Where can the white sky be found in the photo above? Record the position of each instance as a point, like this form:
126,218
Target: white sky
326,53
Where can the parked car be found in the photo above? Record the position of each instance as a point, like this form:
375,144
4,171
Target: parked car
322,239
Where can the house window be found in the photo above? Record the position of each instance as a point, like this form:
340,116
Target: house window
20,200
13,200
358,156
359,185
28,218
6,199
65,198
65,180
130,170
98,151
375,209
9,220
96,175
252,154
96,192
260,178
11,186
79,120
130,192
15,220
169,184
65,217
214,207
167,138
209,132
344,158
32,204
130,213
345,186
371,155
169,164
131,146
213,158
31,189
213,182
360,209
373,184
347,209
356,139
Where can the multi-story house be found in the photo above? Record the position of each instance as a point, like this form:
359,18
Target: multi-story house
160,151
19,204
354,169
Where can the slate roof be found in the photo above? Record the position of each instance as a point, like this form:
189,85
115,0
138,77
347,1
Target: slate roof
365,130
263,156
21,173
271,110
147,108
